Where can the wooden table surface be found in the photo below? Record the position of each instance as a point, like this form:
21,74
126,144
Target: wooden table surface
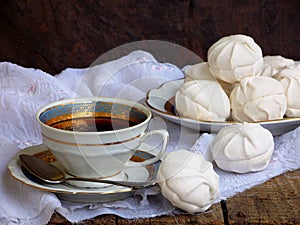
276,201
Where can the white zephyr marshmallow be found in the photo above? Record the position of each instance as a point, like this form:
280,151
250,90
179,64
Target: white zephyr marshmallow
243,148
273,64
258,99
202,100
290,80
188,181
198,71
234,57
201,71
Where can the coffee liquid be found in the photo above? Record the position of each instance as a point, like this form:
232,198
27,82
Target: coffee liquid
94,124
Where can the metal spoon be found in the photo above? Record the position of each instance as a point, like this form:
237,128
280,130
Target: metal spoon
50,174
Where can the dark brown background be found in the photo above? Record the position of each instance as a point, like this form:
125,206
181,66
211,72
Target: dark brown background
54,34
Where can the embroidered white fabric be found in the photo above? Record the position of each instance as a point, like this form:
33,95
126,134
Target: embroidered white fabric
24,90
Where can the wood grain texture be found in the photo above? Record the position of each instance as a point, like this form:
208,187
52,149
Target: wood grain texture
54,35
276,201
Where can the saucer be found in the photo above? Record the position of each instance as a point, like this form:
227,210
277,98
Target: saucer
82,194
121,176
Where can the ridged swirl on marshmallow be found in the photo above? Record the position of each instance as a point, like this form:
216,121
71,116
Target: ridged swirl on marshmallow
198,71
258,99
290,81
243,148
202,100
201,71
274,64
188,181
234,57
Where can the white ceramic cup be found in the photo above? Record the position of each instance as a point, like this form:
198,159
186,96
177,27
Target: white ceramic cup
96,137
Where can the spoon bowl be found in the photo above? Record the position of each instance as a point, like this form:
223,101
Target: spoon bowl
50,174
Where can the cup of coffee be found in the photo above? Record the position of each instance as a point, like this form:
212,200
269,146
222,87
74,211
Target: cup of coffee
96,137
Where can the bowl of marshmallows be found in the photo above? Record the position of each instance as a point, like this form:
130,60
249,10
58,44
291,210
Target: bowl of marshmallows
238,83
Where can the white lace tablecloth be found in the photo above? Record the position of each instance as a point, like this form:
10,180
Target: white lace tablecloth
23,91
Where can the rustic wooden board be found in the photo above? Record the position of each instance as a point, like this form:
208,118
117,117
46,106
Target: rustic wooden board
277,201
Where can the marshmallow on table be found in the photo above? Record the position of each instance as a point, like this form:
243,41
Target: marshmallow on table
258,99
273,64
202,100
290,81
188,181
243,148
234,57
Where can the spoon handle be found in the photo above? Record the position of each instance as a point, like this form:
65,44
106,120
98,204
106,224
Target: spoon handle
131,184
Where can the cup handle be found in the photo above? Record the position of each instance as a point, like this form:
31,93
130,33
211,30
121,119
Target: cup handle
165,137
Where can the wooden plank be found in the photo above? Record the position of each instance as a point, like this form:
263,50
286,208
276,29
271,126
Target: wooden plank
213,217
277,201
58,219
122,221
